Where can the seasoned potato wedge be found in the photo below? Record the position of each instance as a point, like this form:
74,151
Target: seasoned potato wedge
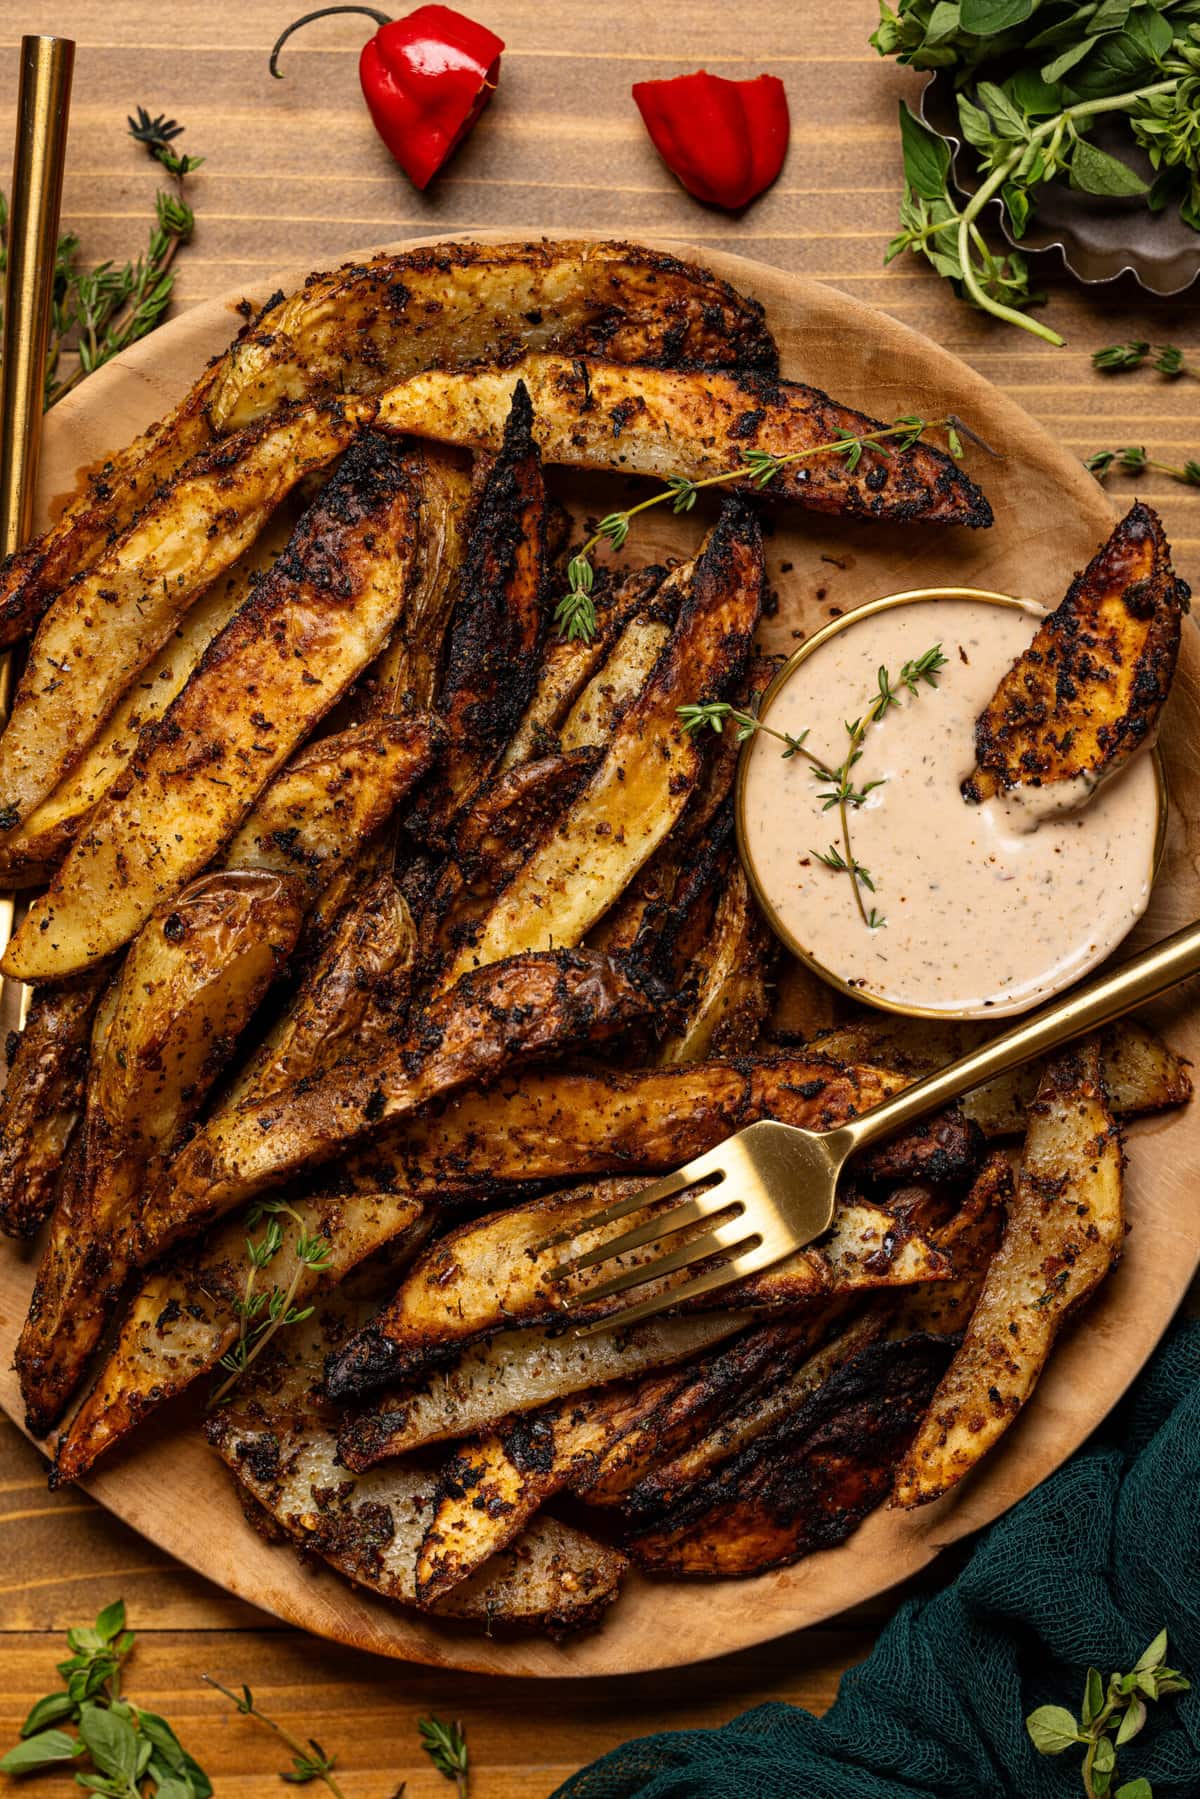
650,766
497,626
320,616
1065,1229
528,1006
42,1099
276,1439
367,324
692,423
518,1371
104,629
806,1482
327,800
1088,690
40,840
189,984
728,1005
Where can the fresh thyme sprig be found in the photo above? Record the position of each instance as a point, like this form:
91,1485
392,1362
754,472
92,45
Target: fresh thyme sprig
309,1760
1133,460
96,313
1169,360
132,1753
842,792
446,1747
575,614
262,1311
1112,1715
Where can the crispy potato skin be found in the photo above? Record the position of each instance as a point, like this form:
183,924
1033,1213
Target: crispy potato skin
1065,1230
103,629
366,325
806,1483
497,627
320,616
651,765
42,1099
195,976
594,414
1089,689
528,1006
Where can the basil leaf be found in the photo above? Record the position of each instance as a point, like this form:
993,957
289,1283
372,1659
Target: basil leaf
1052,1729
163,1739
111,1741
1123,60
1094,171
926,157
48,1711
41,1751
986,17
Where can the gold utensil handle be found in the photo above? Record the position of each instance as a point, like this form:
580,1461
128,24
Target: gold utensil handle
1085,1009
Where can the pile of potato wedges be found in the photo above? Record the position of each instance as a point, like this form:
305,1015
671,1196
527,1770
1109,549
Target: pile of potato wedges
376,933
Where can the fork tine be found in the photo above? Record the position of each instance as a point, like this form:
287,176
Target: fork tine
728,1237
663,1224
724,1276
649,1195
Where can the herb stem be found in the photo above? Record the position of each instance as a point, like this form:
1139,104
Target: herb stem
319,1769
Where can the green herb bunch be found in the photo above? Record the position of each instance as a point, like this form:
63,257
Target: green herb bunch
1034,79
118,1748
1112,1716
96,313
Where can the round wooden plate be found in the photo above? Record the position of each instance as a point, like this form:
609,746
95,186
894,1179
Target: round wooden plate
1050,517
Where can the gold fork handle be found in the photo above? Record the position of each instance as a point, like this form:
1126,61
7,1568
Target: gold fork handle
1085,1009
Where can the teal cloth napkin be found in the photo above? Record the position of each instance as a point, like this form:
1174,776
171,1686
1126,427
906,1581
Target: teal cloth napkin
1084,1572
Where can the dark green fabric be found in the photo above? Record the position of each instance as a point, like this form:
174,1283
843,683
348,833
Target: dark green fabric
1086,1570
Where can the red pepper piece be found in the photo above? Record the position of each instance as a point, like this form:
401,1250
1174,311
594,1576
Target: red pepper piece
725,140
426,78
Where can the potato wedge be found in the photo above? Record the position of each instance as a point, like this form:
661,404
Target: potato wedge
366,325
519,1371
613,688
651,764
1088,690
691,423
186,990
327,800
321,616
104,629
497,627
970,1238
275,1437
493,1275
1065,1230
43,1098
808,1481
39,842
728,1005
528,1006
569,663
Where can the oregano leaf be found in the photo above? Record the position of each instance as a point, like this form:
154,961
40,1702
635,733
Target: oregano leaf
1052,1729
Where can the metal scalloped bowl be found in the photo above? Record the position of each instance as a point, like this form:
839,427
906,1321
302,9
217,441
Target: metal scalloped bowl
1097,239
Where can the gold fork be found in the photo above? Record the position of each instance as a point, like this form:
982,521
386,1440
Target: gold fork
780,1182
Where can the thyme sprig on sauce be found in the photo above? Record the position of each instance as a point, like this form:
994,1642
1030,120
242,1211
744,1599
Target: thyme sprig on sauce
842,792
575,614
262,1311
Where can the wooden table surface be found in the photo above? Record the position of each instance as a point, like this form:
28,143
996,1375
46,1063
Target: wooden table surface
293,174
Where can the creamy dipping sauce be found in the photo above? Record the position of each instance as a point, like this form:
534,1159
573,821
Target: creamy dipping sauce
989,908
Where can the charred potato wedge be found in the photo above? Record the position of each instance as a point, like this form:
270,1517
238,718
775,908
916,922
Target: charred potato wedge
1089,689
1065,1230
691,423
321,616
187,988
651,764
104,629
42,1099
